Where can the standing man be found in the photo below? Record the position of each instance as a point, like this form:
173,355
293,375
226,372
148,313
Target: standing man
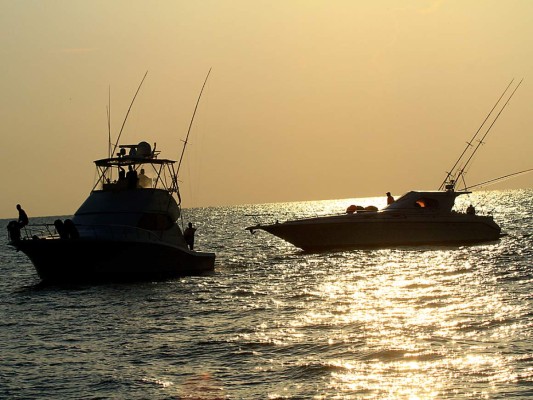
23,217
188,235
131,177
390,199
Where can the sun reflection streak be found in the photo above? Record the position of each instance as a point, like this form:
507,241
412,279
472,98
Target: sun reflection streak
404,323
413,319
404,384
414,379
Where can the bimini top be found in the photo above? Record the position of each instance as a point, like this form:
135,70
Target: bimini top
138,154
140,159
439,201
114,162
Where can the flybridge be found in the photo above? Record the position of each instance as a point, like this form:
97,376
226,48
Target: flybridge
159,173
111,174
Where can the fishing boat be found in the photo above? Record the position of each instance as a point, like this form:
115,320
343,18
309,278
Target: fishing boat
416,218
126,230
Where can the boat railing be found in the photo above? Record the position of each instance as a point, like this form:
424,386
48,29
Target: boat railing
93,232
260,218
34,231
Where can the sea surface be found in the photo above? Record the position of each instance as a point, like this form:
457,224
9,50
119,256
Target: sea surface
273,322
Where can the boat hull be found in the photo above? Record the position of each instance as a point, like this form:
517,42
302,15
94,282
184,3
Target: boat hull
374,230
58,260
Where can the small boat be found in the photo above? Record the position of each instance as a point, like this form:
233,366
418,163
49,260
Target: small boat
126,230
416,218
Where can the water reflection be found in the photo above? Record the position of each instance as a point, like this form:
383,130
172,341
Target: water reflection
412,324
273,322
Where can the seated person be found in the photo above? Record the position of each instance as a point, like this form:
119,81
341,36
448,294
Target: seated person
144,181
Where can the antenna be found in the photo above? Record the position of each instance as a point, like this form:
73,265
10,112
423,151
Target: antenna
124,123
190,125
469,143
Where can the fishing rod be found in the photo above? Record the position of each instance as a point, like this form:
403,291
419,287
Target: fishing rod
175,183
109,124
499,179
469,143
190,125
480,142
125,118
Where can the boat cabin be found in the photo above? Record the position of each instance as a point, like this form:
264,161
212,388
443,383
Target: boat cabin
138,200
439,201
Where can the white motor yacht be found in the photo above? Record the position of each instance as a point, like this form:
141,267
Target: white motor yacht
416,218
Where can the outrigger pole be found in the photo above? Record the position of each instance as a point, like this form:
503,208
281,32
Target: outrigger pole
499,179
125,118
469,143
109,124
480,142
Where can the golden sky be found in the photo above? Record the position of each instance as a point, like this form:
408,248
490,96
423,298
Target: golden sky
307,99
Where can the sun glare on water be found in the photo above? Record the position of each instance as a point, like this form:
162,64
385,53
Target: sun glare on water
415,323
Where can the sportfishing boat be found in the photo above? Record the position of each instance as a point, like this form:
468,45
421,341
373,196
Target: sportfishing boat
126,230
416,218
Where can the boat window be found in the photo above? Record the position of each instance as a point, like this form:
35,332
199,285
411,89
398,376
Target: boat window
425,202
155,222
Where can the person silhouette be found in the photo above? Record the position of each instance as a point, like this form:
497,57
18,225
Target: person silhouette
60,229
23,217
188,235
390,199
131,177
144,181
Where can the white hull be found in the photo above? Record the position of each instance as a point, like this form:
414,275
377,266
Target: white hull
345,233
394,226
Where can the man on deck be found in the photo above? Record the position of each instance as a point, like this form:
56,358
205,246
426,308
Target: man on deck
23,217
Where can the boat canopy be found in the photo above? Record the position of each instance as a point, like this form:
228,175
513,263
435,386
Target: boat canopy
110,162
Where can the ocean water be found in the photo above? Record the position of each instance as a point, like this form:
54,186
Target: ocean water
273,322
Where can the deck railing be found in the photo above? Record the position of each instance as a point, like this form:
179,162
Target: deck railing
92,232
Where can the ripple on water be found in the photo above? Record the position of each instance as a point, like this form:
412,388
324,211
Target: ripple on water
274,322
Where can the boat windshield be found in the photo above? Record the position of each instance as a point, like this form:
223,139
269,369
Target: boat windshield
426,202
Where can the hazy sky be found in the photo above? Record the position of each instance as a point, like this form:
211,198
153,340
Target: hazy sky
307,99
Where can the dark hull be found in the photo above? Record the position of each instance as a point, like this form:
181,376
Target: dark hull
81,260
354,232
